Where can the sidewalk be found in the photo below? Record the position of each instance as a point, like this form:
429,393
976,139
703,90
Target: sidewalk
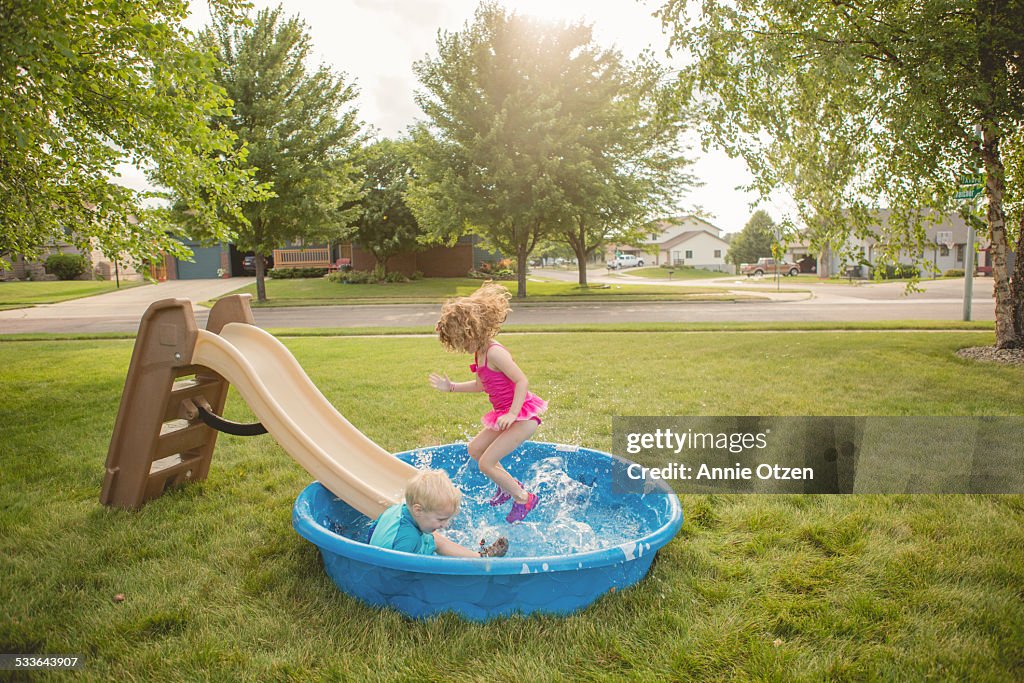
125,304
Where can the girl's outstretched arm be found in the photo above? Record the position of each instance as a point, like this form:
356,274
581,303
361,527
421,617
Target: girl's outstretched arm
442,383
502,360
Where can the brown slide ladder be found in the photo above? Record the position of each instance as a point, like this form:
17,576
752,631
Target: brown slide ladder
163,435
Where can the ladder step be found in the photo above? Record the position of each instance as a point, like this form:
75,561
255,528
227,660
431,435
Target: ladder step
178,436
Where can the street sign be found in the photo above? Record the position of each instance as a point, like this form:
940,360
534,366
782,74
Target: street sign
966,180
970,193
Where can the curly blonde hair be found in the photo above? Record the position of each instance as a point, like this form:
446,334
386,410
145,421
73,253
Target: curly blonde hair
468,322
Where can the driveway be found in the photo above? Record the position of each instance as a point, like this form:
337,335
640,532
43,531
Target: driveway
120,310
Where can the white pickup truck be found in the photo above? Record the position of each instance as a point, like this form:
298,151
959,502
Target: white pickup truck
625,261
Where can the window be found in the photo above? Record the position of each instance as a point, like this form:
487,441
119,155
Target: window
689,253
943,250
960,253
718,253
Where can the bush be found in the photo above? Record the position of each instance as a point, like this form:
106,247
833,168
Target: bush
66,266
901,270
395,276
352,277
954,272
494,274
292,273
417,275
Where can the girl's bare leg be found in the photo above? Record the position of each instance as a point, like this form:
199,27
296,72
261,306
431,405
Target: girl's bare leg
504,443
481,441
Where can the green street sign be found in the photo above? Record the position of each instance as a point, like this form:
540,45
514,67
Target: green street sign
970,193
970,180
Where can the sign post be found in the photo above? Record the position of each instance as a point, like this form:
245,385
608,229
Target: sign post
969,187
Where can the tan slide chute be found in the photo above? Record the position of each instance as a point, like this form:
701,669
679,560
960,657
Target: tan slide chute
149,454
302,420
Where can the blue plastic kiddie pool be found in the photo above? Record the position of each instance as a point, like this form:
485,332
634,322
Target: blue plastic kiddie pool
580,542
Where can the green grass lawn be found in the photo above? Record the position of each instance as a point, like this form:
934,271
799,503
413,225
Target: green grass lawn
22,294
680,273
322,292
218,586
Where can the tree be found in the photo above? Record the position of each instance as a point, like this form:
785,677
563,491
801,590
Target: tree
88,84
384,223
300,138
623,162
853,106
490,156
754,241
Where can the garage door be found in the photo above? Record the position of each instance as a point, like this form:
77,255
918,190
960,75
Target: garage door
207,261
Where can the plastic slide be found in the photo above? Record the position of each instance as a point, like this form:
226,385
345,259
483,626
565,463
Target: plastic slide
303,421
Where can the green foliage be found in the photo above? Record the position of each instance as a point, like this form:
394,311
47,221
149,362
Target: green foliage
354,277
384,224
623,161
89,84
954,272
754,241
301,133
897,271
508,102
853,107
296,273
66,266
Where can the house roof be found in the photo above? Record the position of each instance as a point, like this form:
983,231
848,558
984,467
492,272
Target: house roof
686,237
673,227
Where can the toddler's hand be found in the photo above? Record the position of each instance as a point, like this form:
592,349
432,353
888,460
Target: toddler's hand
440,382
505,421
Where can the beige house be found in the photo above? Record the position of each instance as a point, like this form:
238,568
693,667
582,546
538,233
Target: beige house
683,241
100,267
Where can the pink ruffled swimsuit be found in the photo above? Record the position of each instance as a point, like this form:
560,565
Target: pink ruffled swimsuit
501,390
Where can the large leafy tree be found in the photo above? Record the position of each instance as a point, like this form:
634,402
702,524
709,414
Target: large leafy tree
754,241
88,84
384,223
491,156
852,106
623,162
301,133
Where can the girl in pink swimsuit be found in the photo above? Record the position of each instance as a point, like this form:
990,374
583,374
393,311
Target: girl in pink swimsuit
469,324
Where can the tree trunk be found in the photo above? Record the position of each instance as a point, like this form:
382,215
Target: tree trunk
521,254
578,242
261,285
1017,286
581,260
1006,324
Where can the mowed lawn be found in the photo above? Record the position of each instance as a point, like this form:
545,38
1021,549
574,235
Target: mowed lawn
218,586
21,294
680,273
322,292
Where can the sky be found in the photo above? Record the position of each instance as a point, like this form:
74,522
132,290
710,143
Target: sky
375,42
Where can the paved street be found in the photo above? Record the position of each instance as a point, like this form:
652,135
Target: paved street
942,300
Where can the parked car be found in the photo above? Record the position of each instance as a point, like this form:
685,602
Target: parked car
765,266
625,261
249,263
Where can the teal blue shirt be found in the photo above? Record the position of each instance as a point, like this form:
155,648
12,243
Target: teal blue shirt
397,530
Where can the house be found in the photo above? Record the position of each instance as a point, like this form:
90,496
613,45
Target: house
101,267
682,241
454,261
945,249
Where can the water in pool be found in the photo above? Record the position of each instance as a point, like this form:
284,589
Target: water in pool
576,513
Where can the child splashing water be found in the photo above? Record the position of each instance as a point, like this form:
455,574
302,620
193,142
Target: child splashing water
469,324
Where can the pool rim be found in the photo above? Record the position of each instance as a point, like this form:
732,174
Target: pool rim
329,541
